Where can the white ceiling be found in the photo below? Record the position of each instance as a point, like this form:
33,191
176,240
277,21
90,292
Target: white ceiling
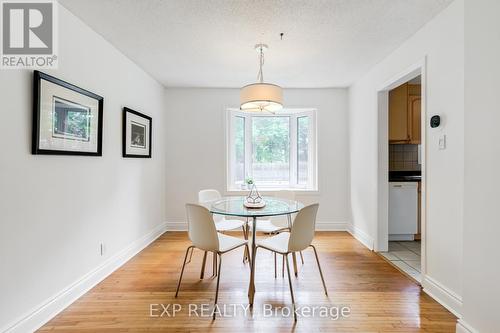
209,43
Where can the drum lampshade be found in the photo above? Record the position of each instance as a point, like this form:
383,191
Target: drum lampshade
261,97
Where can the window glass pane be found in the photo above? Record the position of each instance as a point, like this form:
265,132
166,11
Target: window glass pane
271,150
302,150
239,150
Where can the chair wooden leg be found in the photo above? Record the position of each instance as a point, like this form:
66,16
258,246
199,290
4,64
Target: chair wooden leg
275,275
250,258
319,266
294,259
202,273
283,267
217,288
285,257
190,256
182,270
214,269
301,257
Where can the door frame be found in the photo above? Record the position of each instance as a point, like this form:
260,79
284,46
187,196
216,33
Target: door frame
382,231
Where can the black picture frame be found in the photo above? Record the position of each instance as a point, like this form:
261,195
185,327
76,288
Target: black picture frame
126,111
35,135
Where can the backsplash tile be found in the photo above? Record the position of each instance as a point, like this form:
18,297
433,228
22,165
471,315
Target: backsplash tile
403,158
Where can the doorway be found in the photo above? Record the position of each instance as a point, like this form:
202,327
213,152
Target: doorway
399,245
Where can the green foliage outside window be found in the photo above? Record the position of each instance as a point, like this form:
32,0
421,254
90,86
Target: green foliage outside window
271,140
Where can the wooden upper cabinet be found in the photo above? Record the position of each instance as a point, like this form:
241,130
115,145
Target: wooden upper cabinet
398,114
414,108
404,114
414,89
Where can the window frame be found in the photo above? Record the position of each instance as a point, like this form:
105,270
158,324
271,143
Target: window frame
293,115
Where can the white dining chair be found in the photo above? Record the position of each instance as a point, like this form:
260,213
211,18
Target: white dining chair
298,239
204,236
278,224
222,224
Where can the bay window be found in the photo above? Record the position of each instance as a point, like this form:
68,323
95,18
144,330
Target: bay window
277,151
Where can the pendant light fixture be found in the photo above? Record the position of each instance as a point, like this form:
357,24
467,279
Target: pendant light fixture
261,96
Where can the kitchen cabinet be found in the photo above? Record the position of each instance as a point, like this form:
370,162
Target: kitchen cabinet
398,114
403,210
405,114
414,114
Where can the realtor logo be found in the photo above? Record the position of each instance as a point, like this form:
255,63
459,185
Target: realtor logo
28,34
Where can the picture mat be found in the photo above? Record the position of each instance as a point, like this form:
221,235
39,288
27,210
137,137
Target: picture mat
129,149
46,140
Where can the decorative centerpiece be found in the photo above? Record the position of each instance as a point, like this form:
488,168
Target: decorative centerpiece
253,200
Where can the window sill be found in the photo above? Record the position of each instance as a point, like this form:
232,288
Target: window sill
273,191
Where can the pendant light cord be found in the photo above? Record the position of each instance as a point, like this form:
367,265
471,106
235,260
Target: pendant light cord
260,75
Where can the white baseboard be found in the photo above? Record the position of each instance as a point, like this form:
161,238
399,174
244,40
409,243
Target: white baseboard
331,226
443,295
361,236
320,226
463,327
401,238
176,225
41,314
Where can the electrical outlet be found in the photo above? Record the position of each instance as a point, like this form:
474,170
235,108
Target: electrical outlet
102,249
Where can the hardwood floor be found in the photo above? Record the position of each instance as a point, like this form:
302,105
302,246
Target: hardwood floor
380,298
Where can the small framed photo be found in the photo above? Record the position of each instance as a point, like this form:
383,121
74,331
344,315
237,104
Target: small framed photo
67,120
137,136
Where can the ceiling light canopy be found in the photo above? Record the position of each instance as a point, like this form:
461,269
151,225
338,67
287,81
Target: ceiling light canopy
261,96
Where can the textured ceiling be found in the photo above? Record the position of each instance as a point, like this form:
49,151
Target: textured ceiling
209,43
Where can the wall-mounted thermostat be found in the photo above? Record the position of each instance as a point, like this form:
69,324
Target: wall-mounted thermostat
435,121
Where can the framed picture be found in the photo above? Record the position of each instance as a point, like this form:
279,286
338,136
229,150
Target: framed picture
136,134
67,120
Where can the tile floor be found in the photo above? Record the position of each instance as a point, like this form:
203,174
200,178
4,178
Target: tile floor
406,256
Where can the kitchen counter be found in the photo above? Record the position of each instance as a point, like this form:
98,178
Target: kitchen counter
405,176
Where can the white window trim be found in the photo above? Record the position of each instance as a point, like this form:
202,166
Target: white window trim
294,114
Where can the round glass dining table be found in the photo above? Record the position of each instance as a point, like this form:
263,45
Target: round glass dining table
233,206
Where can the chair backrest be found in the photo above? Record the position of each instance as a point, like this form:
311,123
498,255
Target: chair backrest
282,220
201,228
303,228
206,197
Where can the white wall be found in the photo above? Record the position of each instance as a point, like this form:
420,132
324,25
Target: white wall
55,210
117,201
195,157
441,41
481,270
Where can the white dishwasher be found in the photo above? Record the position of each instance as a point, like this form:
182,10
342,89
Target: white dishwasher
403,205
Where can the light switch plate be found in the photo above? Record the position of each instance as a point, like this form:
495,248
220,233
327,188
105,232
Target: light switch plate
442,141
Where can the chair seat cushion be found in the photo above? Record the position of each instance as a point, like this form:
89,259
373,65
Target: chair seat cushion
227,243
225,225
278,243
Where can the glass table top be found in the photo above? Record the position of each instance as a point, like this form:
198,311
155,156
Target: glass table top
234,206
